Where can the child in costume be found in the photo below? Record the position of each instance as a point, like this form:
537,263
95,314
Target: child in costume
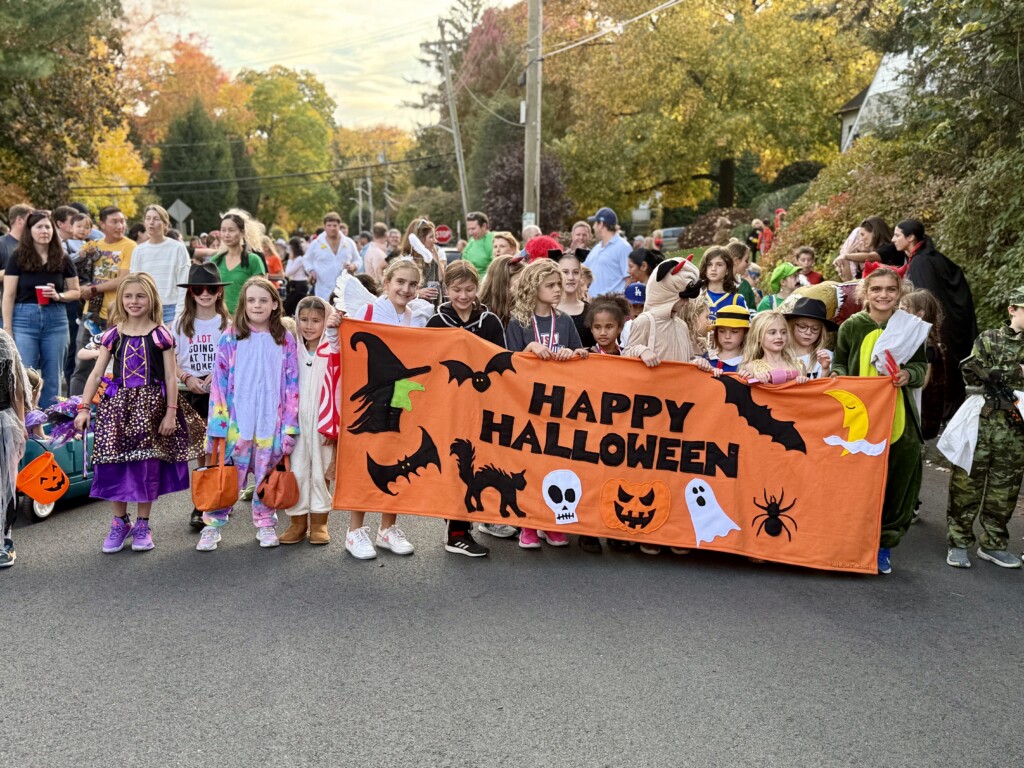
636,295
994,370
697,316
254,402
660,333
728,333
808,329
716,272
197,331
313,454
766,354
144,437
464,310
880,293
784,279
536,326
13,391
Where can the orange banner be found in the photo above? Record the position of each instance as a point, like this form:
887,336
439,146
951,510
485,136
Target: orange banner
438,422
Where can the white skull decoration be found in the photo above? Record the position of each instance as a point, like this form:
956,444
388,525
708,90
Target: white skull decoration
562,491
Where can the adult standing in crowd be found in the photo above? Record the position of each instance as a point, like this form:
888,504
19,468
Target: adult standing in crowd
164,259
328,255
609,259
530,231
376,257
38,278
237,259
295,271
479,251
931,270
394,242
63,218
504,244
113,261
16,217
579,237
873,243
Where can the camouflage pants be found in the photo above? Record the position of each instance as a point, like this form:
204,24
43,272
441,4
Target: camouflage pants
991,488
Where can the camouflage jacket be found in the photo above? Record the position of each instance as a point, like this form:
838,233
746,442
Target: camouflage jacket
1001,349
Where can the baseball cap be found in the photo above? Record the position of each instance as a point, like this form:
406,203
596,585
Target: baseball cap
1017,297
636,293
606,216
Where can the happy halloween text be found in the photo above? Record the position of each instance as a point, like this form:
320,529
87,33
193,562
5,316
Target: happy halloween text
634,449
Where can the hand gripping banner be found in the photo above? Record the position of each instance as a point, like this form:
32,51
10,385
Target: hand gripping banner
438,422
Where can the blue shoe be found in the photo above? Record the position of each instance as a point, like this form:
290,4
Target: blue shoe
884,566
7,554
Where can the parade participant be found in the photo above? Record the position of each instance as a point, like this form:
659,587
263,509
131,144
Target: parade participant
808,329
498,289
294,270
419,245
13,397
804,257
504,244
537,327
253,401
479,250
401,282
716,271
641,264
163,259
197,331
330,252
781,283
659,333
39,277
144,436
609,258
236,258
697,316
995,369
464,310
746,285
766,352
880,294
574,294
728,333
932,397
636,295
313,454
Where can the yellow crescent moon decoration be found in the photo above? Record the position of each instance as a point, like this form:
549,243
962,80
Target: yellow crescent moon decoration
855,415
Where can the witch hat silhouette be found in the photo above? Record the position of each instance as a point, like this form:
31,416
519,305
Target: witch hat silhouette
387,387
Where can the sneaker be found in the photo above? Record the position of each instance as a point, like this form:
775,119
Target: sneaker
957,557
464,544
650,549
195,521
884,565
498,530
249,492
618,545
528,539
591,544
394,539
358,544
120,530
267,537
208,539
7,554
554,538
679,550
1000,557
142,535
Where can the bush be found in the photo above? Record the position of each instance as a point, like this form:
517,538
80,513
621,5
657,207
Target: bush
763,207
802,172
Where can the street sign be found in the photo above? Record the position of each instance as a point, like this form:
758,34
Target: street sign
179,211
443,234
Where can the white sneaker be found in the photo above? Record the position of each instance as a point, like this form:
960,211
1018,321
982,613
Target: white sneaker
497,529
208,539
358,544
392,538
267,537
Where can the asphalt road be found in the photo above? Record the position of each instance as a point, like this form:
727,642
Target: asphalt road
303,656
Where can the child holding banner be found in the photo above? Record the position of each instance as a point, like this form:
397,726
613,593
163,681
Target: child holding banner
766,354
880,292
464,310
728,332
808,324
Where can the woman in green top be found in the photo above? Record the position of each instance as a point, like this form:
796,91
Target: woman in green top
780,285
880,293
235,260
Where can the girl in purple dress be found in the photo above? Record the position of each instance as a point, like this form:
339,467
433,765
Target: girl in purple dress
144,435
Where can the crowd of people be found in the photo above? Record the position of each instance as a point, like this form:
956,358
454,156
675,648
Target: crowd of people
220,349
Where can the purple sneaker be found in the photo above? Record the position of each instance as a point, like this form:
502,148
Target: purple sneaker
142,535
120,530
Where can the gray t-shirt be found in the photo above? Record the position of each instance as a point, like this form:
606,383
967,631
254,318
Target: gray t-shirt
517,336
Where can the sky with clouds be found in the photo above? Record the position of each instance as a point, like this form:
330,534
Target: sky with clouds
364,52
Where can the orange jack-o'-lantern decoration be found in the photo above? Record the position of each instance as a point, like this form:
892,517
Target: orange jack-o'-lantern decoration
635,507
42,479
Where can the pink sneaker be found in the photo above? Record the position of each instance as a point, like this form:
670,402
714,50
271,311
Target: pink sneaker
120,530
528,539
554,538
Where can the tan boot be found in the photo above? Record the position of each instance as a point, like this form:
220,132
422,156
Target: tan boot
318,528
296,530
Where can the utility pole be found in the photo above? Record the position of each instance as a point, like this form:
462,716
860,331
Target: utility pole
454,120
369,195
531,160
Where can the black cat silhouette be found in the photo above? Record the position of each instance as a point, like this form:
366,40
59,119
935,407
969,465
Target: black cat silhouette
477,481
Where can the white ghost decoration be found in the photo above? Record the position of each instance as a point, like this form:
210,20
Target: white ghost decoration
708,517
562,492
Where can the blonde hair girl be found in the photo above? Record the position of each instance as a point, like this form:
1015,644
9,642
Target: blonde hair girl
766,349
497,291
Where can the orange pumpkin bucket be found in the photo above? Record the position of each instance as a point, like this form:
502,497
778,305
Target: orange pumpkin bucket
42,479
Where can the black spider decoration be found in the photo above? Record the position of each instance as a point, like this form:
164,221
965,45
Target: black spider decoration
773,523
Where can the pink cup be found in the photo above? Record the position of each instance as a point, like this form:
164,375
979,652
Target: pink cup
41,298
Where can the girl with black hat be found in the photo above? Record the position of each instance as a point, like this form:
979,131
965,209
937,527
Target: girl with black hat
808,322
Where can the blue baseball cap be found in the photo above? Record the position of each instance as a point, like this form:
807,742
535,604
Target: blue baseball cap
636,293
606,216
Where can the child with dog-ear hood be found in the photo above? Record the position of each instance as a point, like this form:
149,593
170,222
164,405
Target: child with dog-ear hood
660,333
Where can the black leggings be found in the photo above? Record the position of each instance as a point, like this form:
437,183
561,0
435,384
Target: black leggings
12,514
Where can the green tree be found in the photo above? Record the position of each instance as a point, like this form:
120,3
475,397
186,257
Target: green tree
197,167
243,167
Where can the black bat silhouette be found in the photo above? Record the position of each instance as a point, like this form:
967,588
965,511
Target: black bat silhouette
760,416
460,372
385,474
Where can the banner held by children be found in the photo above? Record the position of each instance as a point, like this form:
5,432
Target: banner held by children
438,422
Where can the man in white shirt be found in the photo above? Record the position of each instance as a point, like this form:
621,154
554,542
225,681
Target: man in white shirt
609,259
376,256
328,254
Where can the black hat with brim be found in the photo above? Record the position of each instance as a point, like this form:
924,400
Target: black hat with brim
813,309
203,274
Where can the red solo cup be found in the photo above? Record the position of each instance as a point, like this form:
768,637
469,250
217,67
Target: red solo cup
41,298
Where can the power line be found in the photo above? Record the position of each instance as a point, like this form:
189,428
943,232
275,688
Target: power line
616,28
484,106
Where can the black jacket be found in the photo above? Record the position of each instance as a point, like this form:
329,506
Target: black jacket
482,323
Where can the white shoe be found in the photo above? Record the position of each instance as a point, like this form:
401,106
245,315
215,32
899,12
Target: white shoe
208,539
392,538
358,544
497,529
267,537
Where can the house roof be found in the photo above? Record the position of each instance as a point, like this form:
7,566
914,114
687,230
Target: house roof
855,103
